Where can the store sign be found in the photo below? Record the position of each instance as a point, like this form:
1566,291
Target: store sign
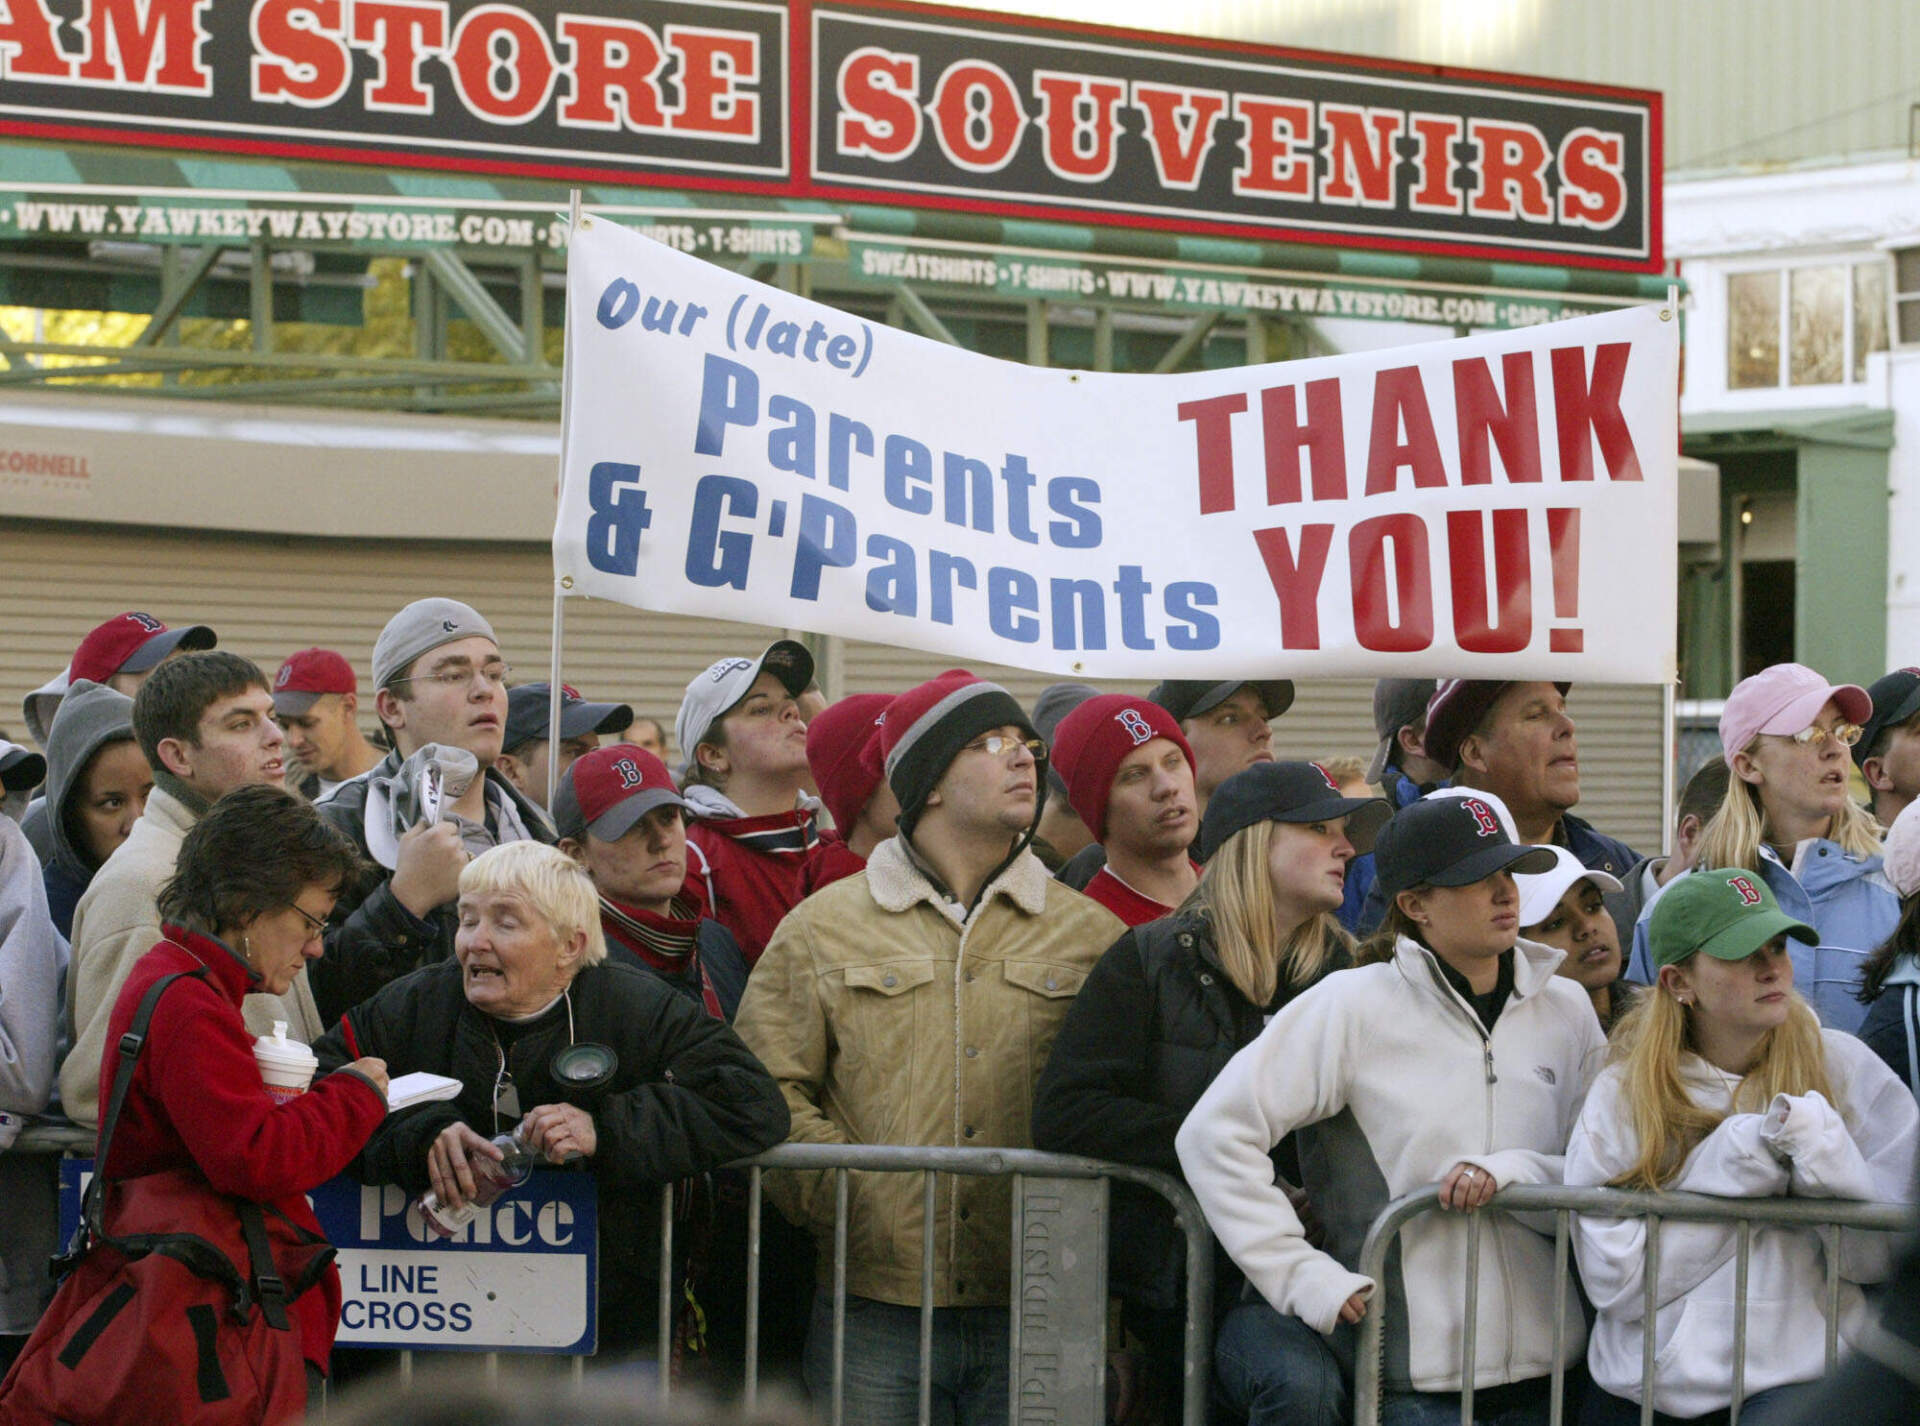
187,219
1480,508
865,101
1171,287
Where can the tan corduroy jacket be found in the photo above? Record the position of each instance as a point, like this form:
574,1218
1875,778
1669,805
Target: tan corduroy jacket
890,1017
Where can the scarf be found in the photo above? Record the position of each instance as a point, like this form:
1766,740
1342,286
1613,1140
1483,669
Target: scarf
794,833
667,945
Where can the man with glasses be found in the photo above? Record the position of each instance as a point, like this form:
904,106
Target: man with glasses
1516,741
440,682
915,1004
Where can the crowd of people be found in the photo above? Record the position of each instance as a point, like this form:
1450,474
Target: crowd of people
1111,925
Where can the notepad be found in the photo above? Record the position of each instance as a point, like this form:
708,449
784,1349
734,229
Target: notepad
419,1087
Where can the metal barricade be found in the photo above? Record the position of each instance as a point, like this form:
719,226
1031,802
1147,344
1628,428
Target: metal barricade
1060,1333
1829,1216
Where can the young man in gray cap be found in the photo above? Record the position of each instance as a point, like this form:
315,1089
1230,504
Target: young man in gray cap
744,768
526,748
440,682
1225,724
914,1004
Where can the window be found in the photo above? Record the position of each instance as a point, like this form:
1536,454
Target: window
1906,273
1805,326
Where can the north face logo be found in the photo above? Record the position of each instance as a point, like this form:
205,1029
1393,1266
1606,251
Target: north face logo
1749,893
1136,726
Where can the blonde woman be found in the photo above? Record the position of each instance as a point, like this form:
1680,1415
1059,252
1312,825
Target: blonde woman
1723,1082
1787,816
1458,1060
1162,1013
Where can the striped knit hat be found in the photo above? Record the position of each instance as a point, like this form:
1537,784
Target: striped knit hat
928,725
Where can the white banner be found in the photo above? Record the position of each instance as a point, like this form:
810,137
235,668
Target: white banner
1496,506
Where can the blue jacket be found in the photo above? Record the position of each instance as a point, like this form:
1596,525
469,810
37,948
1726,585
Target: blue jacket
1400,790
1848,900
1596,850
1892,1024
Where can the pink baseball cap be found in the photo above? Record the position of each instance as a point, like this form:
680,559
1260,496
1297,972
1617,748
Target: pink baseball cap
1783,700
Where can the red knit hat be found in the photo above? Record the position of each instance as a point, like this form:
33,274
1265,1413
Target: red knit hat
1091,742
843,749
928,725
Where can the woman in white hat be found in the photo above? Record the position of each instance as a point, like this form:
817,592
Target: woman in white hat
1565,908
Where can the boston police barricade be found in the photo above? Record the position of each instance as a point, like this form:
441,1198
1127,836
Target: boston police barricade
1830,1216
521,1276
1058,1291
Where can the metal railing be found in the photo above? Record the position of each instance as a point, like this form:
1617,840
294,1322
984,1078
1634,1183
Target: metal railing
1083,1396
1021,1166
1829,1216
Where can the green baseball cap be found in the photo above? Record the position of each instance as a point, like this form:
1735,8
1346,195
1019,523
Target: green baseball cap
1729,913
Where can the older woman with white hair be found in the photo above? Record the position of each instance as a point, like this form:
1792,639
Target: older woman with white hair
601,1065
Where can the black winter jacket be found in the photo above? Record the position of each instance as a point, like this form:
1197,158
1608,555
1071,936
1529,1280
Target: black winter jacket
1155,1022
371,938
686,1096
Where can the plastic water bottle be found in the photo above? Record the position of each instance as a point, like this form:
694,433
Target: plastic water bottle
491,1180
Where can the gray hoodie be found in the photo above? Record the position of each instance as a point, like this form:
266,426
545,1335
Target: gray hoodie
90,716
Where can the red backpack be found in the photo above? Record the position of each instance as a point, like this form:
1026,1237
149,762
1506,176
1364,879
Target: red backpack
174,1304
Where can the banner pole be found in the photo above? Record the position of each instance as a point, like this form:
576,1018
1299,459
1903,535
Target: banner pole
1670,752
560,582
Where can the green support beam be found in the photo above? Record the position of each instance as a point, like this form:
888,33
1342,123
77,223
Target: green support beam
922,316
1190,340
175,294
459,283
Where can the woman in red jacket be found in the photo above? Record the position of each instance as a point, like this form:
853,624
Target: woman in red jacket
248,901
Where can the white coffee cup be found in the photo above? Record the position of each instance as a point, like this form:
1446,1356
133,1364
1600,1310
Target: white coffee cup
286,1066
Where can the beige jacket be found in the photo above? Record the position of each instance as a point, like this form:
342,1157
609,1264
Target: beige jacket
116,923
889,1017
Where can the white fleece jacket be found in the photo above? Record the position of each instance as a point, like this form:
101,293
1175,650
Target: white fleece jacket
1801,1147
1391,1067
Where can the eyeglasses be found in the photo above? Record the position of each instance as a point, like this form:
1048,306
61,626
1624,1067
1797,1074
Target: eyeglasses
1845,734
316,925
495,674
994,744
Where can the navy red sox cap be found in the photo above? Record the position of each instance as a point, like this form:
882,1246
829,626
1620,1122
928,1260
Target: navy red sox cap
1449,841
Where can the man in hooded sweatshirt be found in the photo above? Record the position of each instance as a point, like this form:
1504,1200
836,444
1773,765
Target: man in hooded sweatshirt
744,746
205,723
97,786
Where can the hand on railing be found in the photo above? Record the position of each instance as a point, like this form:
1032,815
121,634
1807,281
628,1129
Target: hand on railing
1466,1187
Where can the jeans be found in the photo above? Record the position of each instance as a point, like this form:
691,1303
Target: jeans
880,1385
1773,1407
1275,1370
1525,1403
